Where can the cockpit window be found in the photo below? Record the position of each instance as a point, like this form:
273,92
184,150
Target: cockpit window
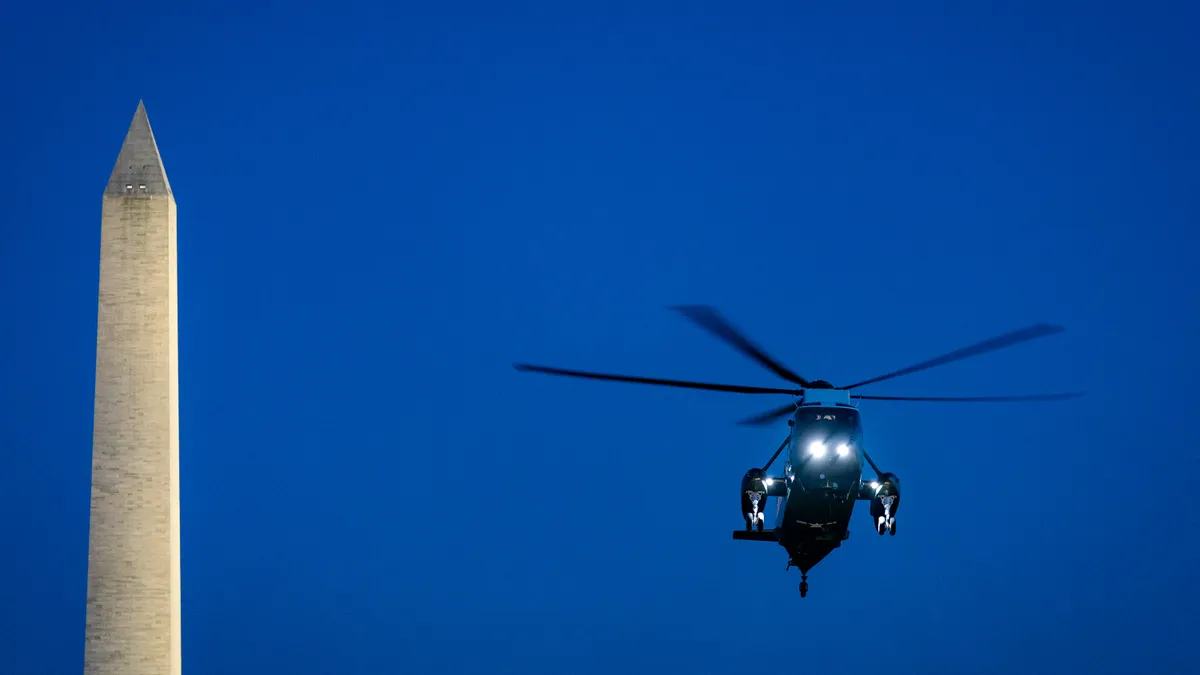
840,416
827,421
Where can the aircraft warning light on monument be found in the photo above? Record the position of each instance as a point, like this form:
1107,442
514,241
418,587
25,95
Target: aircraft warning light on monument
823,471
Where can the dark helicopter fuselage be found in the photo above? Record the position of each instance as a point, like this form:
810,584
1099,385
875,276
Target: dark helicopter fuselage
822,479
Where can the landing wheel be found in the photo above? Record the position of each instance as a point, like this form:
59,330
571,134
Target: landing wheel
803,589
892,528
750,528
759,524
881,527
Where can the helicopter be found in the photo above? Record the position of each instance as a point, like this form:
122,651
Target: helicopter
822,477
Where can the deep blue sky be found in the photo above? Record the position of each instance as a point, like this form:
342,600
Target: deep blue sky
381,208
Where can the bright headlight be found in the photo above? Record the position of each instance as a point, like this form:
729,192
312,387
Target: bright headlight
843,450
816,449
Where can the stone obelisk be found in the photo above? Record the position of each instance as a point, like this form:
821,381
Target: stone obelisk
133,604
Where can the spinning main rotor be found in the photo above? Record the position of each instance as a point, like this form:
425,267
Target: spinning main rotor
712,321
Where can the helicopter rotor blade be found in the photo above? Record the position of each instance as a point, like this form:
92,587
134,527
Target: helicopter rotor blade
998,342
769,416
973,399
712,321
738,389
781,447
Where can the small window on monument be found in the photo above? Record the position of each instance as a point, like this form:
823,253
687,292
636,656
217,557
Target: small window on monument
128,187
143,187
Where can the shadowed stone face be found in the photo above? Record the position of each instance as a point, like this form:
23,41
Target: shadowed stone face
133,590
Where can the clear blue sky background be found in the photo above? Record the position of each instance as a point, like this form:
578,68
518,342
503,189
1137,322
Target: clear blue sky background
381,207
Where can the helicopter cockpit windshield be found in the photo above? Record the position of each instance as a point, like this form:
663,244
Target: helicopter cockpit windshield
827,425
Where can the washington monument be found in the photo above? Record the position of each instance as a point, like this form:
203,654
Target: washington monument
133,610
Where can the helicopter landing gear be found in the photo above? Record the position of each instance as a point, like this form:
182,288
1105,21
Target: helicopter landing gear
755,521
804,585
886,522
756,515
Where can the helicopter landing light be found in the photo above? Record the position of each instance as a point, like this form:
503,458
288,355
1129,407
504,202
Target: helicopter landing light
816,449
843,450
